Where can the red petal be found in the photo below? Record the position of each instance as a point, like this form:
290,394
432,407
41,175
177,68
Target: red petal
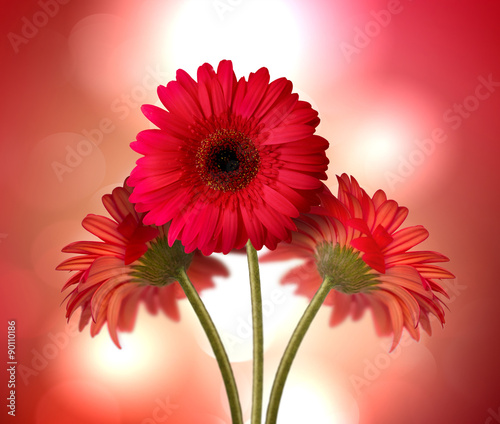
104,228
289,133
218,101
276,91
406,239
229,229
188,83
279,202
381,236
298,180
375,261
113,309
257,86
168,301
227,79
176,99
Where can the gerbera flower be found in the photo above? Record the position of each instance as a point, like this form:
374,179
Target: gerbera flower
132,264
231,161
355,241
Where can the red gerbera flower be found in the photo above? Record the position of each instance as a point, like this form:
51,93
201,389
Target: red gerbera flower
231,161
132,264
355,241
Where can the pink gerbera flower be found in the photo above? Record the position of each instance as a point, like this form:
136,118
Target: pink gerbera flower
132,264
232,160
355,241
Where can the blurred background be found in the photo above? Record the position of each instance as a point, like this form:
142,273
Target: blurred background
408,94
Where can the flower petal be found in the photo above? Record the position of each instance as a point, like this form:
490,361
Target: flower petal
406,239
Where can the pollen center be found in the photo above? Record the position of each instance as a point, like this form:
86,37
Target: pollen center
227,160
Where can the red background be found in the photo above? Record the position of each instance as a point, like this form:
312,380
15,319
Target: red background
385,77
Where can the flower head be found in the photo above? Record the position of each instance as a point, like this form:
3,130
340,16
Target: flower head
356,242
132,263
232,160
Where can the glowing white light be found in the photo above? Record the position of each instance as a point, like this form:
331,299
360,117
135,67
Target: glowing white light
376,147
137,357
380,142
233,318
304,402
251,33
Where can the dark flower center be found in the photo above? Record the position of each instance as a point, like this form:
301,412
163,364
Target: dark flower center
227,160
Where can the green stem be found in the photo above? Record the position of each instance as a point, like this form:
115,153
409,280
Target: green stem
258,334
217,346
292,348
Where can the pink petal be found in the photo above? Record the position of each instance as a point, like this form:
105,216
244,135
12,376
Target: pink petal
379,198
206,264
94,248
407,277
416,257
76,263
341,308
395,313
399,218
129,310
104,228
168,302
432,271
98,300
118,205
386,214
113,309
406,239
407,301
78,299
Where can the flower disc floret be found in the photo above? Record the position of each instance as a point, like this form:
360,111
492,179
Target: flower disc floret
227,160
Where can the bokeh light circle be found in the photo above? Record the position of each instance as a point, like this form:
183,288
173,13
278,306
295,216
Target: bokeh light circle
61,169
78,402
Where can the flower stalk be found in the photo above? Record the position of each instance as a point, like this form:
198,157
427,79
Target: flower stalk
216,343
292,348
258,334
